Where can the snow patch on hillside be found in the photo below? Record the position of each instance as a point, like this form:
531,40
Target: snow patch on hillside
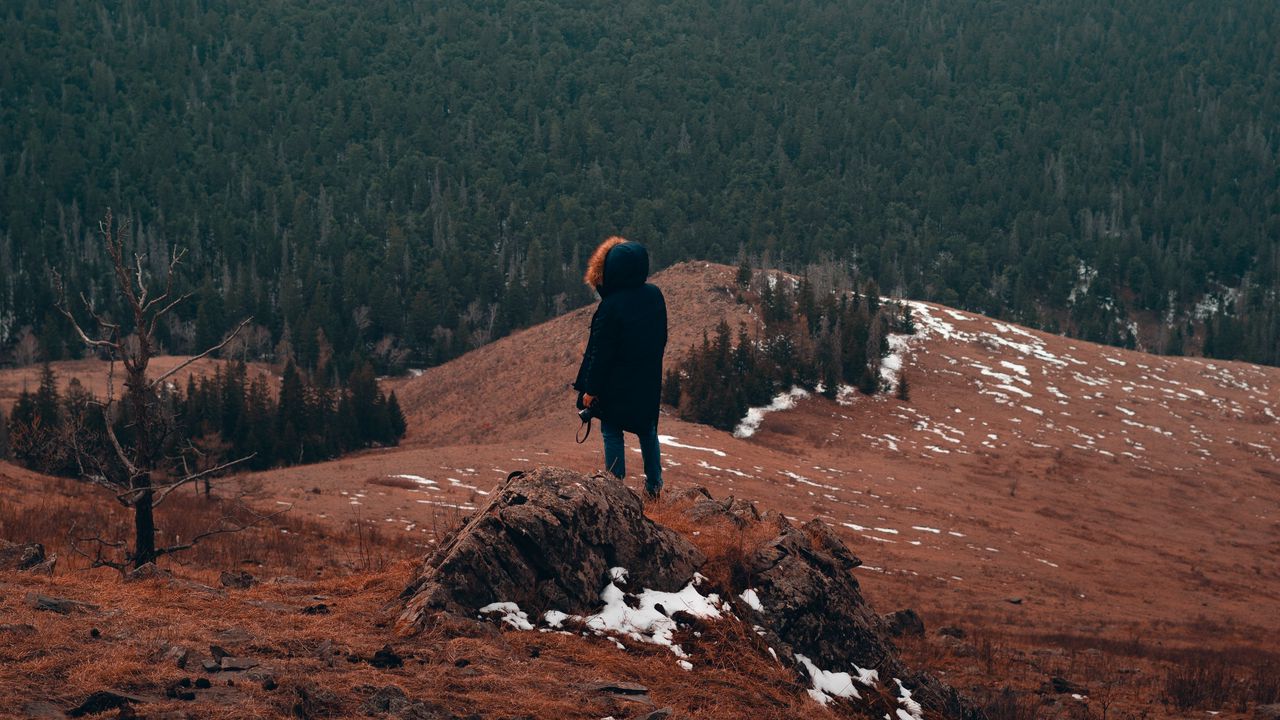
783,401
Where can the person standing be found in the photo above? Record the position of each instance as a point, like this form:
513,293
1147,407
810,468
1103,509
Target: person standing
620,378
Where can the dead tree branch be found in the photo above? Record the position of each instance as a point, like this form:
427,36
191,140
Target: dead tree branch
230,336
97,560
224,529
161,492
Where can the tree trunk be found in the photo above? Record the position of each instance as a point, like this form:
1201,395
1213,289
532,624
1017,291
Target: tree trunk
144,524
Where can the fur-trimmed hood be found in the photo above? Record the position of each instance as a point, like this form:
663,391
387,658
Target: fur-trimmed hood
617,263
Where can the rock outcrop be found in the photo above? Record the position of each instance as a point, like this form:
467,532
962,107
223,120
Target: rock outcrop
810,605
546,540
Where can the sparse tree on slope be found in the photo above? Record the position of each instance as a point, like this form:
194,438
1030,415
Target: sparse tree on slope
139,426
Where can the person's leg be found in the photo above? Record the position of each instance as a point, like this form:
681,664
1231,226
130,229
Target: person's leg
615,460
652,461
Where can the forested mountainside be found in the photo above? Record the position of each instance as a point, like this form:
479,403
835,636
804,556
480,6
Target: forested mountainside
401,181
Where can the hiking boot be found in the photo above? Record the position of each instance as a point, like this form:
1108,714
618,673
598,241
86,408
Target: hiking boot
652,494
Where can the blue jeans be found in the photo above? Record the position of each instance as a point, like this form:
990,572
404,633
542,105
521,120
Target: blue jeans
615,460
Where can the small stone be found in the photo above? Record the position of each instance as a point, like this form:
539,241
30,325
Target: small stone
210,666
62,606
238,663
386,659
238,580
105,700
20,557
659,714
179,691
233,636
317,609
904,622
952,631
1014,600
218,652
44,568
1062,686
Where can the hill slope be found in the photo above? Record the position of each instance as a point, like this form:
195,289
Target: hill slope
1129,504
1106,487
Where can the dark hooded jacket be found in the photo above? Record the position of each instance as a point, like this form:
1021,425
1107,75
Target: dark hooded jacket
622,366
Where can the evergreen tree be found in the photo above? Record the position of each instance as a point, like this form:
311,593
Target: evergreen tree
363,386
290,416
671,387
743,277
23,427
395,419
258,425
827,358
47,399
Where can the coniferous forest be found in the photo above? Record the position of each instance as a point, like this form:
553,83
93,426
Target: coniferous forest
220,418
823,339
400,182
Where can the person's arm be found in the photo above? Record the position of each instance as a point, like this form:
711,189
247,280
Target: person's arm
602,350
588,352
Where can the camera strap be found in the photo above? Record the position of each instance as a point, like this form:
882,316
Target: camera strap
579,436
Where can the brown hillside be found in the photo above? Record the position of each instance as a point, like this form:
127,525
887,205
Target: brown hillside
1128,503
514,387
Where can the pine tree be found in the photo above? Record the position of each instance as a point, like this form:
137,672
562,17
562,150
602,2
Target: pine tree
827,358
872,293
743,276
904,388
363,386
258,424
233,400
348,428
290,416
395,417
23,427
47,399
907,322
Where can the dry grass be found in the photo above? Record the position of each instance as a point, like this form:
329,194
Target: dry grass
725,545
1139,676
53,511
465,667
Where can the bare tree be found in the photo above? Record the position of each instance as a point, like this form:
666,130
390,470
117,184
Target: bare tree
137,469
